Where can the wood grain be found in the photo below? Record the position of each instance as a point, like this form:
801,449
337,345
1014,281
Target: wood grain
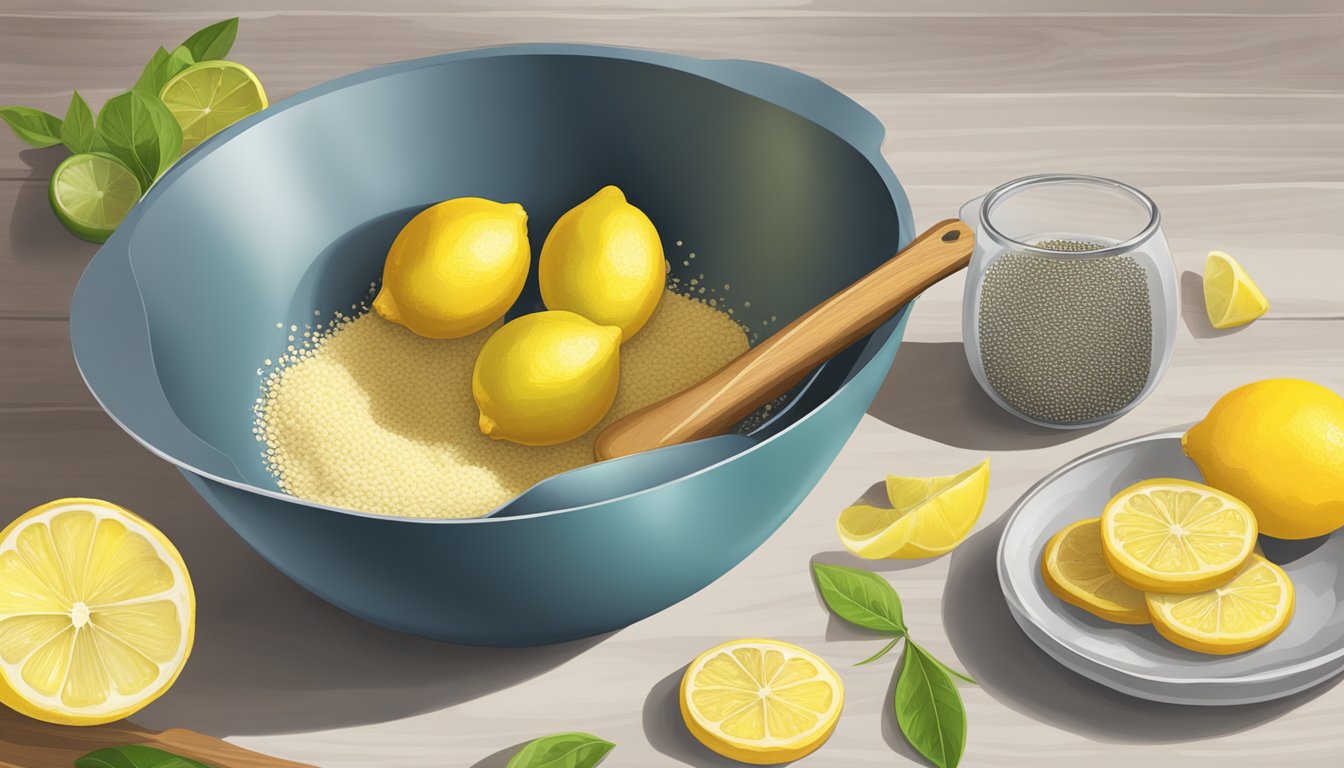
1230,114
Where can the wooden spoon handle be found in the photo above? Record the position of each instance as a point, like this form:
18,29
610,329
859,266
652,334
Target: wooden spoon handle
772,367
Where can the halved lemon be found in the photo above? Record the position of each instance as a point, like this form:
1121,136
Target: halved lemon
1170,535
761,701
1074,567
1246,612
97,613
928,516
1231,297
210,96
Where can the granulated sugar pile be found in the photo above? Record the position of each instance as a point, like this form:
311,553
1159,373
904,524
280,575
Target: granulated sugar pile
378,419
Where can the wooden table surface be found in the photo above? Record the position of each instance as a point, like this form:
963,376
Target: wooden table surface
1229,114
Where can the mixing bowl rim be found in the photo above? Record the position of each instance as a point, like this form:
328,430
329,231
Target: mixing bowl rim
703,68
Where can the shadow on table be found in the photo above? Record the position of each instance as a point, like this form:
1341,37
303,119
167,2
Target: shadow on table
666,731
1021,676
499,759
271,658
931,392
35,234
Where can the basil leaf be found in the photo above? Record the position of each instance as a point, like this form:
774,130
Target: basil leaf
929,709
860,597
562,750
77,130
213,42
35,127
148,82
140,132
135,756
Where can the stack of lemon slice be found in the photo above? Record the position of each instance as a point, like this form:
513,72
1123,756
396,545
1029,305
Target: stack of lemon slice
1179,555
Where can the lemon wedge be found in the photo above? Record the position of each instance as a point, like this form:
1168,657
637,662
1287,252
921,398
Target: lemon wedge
1074,567
97,613
928,516
1231,297
210,96
1169,535
1246,612
761,701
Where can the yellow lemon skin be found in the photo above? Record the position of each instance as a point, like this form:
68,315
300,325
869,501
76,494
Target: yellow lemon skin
1231,297
1243,614
604,260
455,268
1277,445
546,378
1075,570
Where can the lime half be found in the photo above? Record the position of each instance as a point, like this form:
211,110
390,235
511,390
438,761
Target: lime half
91,194
208,97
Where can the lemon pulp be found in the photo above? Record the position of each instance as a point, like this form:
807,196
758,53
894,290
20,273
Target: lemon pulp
1244,613
91,194
928,516
1231,297
1171,535
210,96
97,613
761,701
1074,568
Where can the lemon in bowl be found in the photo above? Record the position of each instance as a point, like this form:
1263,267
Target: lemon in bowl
603,260
546,378
1278,445
455,268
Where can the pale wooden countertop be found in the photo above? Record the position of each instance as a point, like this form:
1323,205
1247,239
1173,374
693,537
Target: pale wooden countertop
1231,116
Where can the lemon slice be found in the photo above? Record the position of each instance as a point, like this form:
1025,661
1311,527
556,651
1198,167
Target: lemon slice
1075,569
208,97
761,701
1230,296
1169,535
1246,612
928,516
97,613
91,194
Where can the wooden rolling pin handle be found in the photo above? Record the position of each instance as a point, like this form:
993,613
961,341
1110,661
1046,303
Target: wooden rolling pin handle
772,367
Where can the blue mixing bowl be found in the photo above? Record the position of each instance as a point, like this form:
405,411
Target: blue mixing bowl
773,178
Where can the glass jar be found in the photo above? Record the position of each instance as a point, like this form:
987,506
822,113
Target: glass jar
1071,303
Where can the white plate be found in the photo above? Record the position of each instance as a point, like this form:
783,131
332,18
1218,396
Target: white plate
1135,659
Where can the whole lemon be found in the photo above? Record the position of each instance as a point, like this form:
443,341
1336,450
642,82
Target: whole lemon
546,378
455,268
1278,445
604,260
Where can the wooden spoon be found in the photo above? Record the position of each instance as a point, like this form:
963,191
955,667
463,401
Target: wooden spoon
772,367
28,743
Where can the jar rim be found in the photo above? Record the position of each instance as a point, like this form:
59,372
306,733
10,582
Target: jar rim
1007,188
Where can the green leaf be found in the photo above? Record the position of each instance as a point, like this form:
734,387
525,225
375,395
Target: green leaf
959,675
885,650
135,756
929,709
860,597
33,126
177,61
562,750
77,130
140,132
148,82
213,42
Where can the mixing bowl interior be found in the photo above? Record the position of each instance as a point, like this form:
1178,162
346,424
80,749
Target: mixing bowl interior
294,214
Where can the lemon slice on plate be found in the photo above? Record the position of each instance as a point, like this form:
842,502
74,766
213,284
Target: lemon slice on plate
97,613
210,96
1246,612
1074,567
1231,297
1169,535
761,701
928,516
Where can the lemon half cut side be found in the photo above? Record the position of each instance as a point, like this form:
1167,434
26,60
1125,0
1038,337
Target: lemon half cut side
97,613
